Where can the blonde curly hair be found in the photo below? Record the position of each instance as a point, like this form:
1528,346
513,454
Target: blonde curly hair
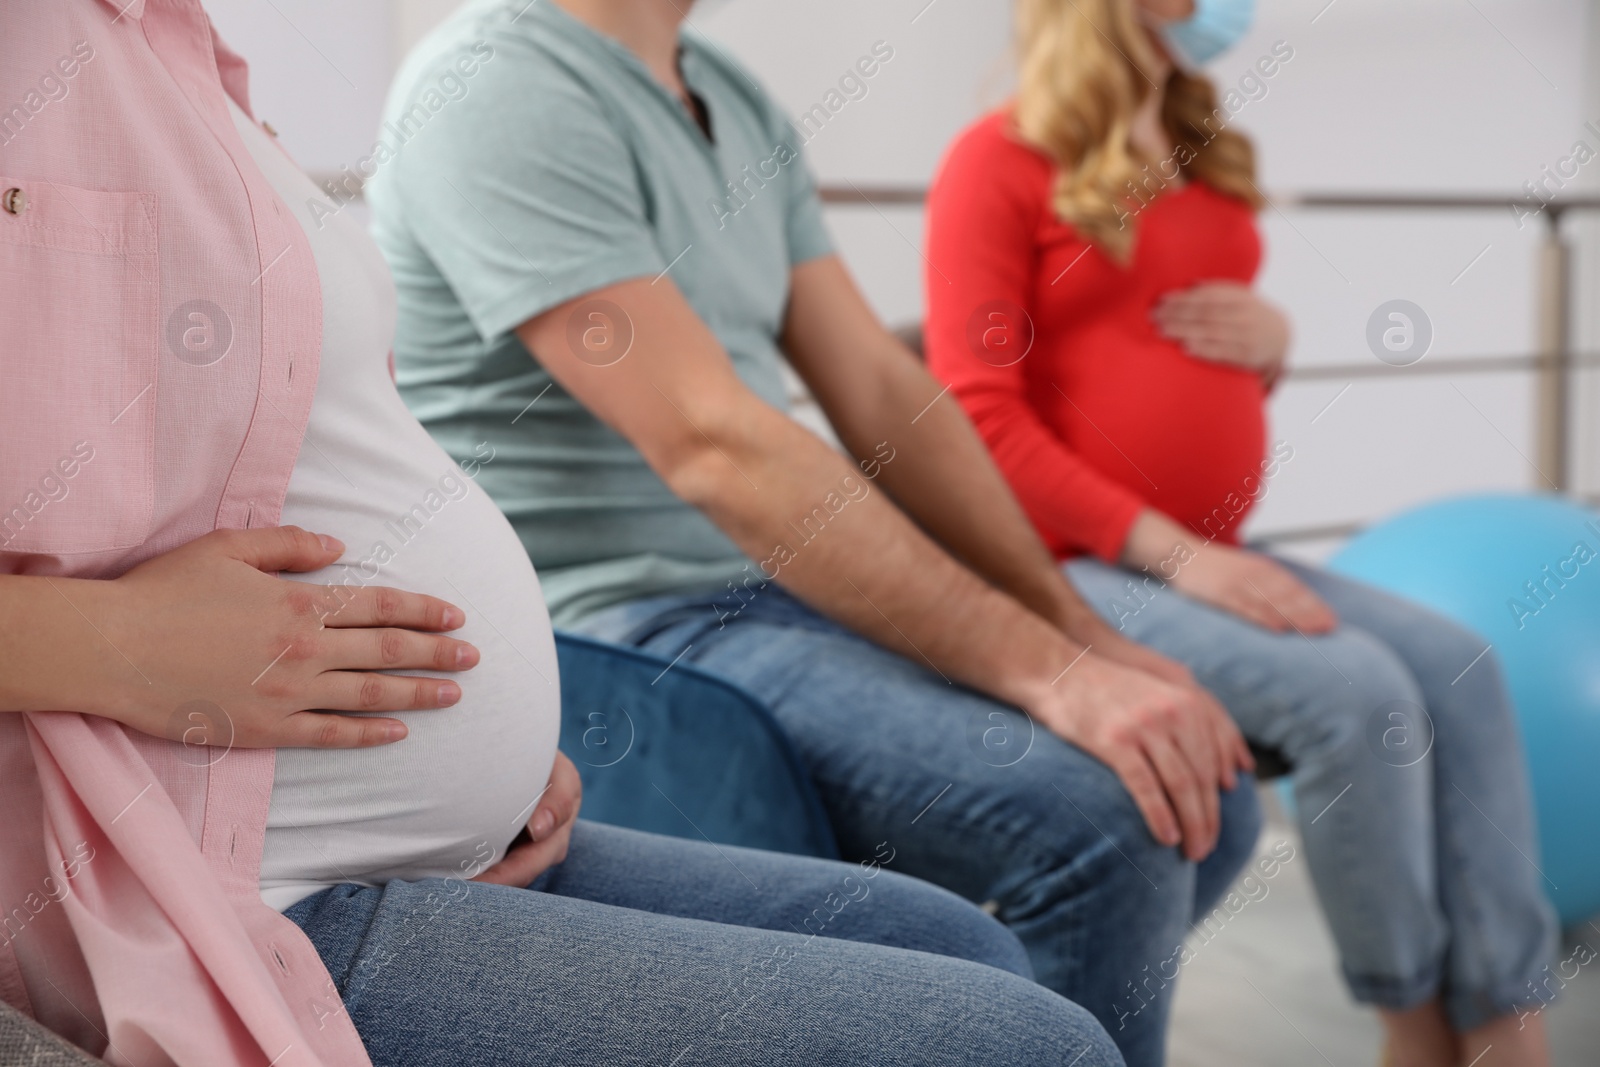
1085,67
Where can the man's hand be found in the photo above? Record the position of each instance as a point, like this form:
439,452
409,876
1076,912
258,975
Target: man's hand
1170,744
550,829
1113,646
1096,634
1228,323
1255,588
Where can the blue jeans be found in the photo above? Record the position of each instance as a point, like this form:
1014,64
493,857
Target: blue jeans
1408,779
969,795
651,950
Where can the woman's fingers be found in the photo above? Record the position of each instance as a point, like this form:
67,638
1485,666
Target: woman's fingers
1216,348
1189,309
1188,316
1309,611
562,797
371,691
549,830
1221,341
347,608
528,860
1292,599
1203,305
1251,605
275,548
390,649
315,729
1217,321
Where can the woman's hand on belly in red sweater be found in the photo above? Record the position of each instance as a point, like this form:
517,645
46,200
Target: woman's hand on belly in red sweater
1226,322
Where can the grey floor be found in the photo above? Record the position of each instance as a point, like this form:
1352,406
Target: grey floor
1263,991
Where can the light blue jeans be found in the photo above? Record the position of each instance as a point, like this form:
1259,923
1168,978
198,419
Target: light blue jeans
970,795
649,951
1409,781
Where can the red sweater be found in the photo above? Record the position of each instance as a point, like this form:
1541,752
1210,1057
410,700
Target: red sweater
1101,416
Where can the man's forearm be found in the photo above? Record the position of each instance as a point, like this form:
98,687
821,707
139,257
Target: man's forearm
944,477
815,523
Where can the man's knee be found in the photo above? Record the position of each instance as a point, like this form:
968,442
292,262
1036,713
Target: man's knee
1112,850
1241,826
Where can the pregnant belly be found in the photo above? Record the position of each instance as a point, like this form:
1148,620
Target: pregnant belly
1187,435
447,800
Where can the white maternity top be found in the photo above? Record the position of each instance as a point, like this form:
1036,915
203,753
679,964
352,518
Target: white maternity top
448,799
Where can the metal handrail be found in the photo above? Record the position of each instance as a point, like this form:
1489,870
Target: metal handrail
1434,202
1528,361
1325,532
900,195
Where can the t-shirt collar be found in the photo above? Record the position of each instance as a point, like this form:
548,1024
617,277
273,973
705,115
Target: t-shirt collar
576,29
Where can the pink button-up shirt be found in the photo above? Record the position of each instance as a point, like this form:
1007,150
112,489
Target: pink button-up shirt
160,325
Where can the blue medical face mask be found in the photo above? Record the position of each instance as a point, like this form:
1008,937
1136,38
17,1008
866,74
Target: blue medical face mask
1215,27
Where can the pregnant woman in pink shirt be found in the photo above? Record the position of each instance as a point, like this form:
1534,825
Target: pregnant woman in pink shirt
264,821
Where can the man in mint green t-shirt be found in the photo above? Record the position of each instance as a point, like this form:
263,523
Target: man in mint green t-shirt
606,245
562,168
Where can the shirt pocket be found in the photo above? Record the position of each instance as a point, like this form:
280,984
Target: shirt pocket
79,302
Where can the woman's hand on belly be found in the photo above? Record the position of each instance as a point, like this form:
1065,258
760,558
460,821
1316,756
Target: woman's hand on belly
549,830
226,653
1226,322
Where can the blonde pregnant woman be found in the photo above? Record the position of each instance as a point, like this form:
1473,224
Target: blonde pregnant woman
1106,215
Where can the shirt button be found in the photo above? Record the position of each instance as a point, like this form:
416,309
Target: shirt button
14,200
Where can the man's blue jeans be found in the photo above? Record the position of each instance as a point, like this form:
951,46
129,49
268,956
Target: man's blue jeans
969,793
1408,778
609,959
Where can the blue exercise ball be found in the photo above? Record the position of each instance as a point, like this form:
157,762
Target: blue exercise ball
1524,572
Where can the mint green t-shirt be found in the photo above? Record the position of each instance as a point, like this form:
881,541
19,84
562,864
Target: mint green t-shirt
526,160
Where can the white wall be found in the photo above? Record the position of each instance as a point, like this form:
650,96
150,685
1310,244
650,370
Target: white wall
1424,95
318,70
